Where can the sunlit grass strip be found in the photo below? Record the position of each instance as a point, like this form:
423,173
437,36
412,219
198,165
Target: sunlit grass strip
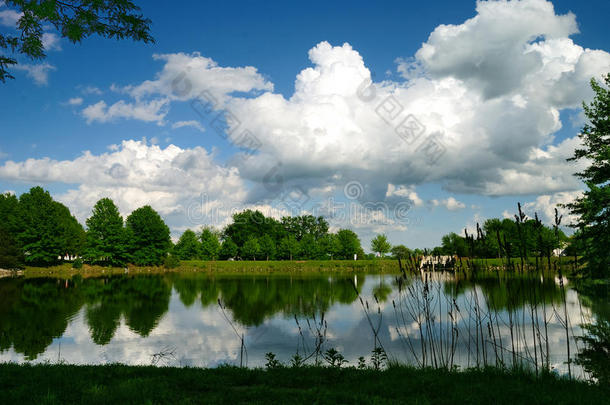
223,268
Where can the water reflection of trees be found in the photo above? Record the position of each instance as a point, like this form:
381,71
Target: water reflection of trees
34,312
509,293
254,299
142,301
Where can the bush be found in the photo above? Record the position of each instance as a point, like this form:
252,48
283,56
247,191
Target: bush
77,264
171,262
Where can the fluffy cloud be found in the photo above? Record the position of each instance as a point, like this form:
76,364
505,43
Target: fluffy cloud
91,90
192,123
477,111
184,185
51,41
153,111
187,75
334,131
183,77
450,203
9,18
492,51
75,101
545,206
485,95
39,73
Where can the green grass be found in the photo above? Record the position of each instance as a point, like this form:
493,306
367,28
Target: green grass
262,267
117,384
498,262
65,270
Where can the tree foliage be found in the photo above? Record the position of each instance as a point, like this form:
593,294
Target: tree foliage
250,249
49,231
74,20
289,247
267,247
106,237
401,252
228,249
349,244
380,244
188,246
593,208
453,244
11,255
503,238
303,225
210,245
148,236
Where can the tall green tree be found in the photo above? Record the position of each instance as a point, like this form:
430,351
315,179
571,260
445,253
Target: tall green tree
289,247
454,244
72,233
305,225
106,237
228,249
250,249
380,244
268,248
74,20
593,208
10,214
248,224
40,239
401,252
148,236
308,247
329,246
11,255
349,244
210,245
188,246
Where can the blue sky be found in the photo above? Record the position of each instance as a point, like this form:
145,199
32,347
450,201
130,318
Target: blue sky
44,119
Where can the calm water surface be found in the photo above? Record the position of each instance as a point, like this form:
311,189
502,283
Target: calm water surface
129,319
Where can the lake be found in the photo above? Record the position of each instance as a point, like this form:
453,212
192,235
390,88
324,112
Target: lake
194,319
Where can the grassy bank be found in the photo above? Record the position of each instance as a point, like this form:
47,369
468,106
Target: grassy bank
565,261
223,267
63,384
220,267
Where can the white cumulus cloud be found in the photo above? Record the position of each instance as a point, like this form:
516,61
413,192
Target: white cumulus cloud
449,203
185,185
38,72
191,123
153,111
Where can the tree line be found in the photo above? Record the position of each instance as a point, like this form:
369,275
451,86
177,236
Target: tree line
253,236
38,231
506,238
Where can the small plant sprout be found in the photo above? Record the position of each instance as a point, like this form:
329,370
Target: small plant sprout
272,362
334,358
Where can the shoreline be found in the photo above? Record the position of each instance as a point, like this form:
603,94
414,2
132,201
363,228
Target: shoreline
221,267
65,270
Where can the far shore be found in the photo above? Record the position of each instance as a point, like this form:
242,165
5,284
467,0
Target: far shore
66,270
262,267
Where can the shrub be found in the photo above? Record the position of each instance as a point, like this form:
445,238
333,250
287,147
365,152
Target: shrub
78,263
171,262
